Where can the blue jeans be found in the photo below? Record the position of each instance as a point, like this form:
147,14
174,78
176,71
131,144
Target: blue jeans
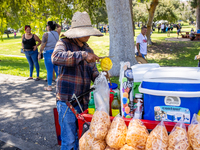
69,126
49,66
142,55
32,57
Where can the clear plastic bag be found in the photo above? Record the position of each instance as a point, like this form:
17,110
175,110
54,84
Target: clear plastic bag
178,138
194,133
92,144
158,138
100,125
101,92
126,147
116,136
137,134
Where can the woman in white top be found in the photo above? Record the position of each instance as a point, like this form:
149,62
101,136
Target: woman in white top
49,41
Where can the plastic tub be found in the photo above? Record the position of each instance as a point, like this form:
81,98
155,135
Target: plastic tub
138,72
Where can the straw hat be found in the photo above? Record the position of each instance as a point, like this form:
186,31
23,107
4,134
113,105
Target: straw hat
141,60
81,26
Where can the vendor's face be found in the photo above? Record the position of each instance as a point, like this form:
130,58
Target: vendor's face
84,39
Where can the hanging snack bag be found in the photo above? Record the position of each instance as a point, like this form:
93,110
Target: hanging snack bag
92,144
116,137
178,139
194,133
158,138
126,147
126,92
137,134
100,125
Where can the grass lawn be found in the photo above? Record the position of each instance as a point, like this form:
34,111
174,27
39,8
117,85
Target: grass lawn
166,53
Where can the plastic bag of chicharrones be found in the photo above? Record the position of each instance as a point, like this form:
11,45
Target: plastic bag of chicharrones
158,138
194,133
137,134
90,143
178,138
116,137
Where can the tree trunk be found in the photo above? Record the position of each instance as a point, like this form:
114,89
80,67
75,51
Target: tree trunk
198,15
97,25
152,9
8,35
121,34
131,7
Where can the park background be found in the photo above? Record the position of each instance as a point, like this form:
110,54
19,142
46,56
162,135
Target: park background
17,14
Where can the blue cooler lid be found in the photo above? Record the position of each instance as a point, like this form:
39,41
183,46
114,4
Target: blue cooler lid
114,86
172,81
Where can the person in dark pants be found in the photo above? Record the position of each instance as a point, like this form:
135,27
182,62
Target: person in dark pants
178,30
29,47
159,26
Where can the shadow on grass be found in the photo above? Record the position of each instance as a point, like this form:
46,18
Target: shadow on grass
173,53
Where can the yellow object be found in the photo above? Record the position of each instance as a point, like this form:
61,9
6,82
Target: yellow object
198,116
106,64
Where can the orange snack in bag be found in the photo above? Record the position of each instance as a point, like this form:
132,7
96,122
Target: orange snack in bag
137,134
116,137
100,125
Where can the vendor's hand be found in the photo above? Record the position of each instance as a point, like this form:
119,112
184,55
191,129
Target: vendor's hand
39,56
34,48
140,54
92,58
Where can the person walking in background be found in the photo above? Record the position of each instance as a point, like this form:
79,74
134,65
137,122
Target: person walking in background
31,51
49,41
162,28
171,27
15,34
141,43
159,26
168,30
178,30
104,30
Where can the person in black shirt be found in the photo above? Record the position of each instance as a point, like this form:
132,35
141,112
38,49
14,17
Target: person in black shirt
29,47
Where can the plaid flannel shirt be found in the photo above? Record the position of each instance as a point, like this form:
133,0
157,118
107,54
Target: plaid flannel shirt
75,74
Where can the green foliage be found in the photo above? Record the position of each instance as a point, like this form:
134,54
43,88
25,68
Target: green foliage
18,13
95,8
165,11
140,12
193,3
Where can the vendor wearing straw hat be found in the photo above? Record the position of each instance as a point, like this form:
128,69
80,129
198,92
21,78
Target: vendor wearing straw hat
77,68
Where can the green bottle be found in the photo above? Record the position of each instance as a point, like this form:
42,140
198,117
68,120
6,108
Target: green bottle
91,105
115,106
